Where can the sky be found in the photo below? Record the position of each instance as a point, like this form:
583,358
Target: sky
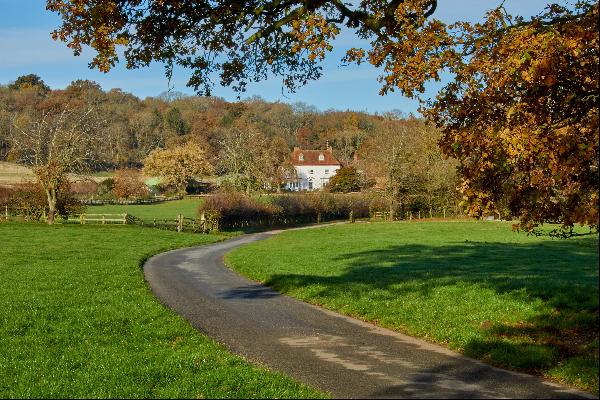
26,48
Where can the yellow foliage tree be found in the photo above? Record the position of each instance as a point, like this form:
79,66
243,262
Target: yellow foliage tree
178,165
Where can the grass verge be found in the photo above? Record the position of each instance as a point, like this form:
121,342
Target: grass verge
521,302
77,320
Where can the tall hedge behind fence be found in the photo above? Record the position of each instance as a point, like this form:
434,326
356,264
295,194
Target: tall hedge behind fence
232,210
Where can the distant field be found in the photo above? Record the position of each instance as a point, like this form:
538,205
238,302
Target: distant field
521,302
147,212
11,173
78,321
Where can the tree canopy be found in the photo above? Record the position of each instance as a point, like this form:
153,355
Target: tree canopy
178,165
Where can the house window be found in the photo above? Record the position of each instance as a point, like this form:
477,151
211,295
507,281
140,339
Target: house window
301,157
321,157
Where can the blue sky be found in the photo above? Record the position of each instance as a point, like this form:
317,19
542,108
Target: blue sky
26,47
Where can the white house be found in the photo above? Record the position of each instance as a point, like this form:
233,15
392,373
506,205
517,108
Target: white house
314,168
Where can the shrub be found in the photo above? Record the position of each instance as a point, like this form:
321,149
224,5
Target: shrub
84,188
29,200
5,194
234,206
234,209
345,180
379,204
128,183
105,187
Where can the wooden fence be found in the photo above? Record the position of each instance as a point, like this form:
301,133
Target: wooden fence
179,224
104,219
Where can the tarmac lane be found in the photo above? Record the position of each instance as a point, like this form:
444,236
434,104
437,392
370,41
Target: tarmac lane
340,355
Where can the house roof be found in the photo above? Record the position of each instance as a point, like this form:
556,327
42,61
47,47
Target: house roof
311,157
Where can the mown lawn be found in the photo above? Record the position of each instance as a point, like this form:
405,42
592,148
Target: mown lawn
77,320
522,302
147,212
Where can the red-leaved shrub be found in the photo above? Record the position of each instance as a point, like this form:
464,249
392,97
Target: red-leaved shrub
128,183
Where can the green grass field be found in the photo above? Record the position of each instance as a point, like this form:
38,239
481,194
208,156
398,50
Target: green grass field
165,210
522,302
77,320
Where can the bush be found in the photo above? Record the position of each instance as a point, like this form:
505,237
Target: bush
84,188
5,194
128,184
234,209
29,201
234,206
105,187
345,180
379,204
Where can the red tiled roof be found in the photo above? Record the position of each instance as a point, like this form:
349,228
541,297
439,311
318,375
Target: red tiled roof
311,157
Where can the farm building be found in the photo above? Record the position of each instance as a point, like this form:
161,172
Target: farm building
314,168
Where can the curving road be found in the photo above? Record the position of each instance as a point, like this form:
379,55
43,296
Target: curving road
337,354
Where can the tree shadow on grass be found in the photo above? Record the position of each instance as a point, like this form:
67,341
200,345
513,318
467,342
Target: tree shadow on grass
563,274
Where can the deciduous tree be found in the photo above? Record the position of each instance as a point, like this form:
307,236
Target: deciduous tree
55,142
178,165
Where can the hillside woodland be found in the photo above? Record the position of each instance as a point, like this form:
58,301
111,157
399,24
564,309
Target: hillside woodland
246,144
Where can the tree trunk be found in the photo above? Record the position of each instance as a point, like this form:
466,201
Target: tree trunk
51,195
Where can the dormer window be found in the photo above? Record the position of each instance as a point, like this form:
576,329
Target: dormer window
321,157
301,157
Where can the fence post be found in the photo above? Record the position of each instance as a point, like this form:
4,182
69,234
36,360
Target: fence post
318,218
202,223
179,222
391,215
80,219
419,214
125,219
351,216
103,221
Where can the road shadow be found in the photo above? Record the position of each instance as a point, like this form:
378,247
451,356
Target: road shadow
249,292
450,381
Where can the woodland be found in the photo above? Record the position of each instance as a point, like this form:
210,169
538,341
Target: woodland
245,144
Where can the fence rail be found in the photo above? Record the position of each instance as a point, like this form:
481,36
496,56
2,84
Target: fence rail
83,219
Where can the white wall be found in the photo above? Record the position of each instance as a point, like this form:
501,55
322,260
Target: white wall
318,174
